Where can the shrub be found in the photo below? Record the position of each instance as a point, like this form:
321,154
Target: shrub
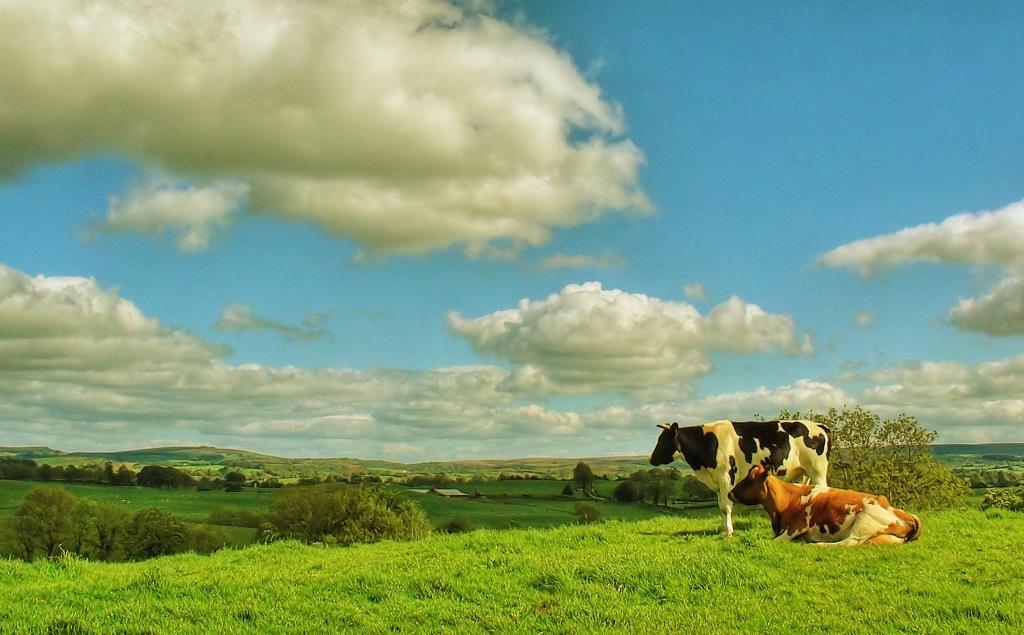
892,457
204,539
346,514
587,514
456,525
1011,498
568,490
154,533
626,492
99,531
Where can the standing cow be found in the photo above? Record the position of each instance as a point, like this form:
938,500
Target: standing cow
718,451
825,516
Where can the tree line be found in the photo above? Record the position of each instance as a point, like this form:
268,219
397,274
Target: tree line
156,476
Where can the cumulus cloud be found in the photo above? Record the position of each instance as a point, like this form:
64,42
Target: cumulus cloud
405,127
241,317
192,212
999,312
606,260
979,402
586,339
695,291
864,319
978,238
990,237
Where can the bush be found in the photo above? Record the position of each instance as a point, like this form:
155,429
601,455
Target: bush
1011,498
99,531
587,514
626,492
892,457
154,533
457,525
204,539
346,514
568,490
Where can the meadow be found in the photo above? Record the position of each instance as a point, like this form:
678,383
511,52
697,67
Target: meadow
658,575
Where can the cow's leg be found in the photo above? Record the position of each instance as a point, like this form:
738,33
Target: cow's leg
725,505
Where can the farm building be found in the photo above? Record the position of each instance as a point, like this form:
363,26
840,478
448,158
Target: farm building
449,493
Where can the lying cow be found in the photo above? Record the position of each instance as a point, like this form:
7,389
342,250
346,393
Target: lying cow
720,450
823,515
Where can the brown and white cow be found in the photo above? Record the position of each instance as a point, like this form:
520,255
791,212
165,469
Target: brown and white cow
825,516
718,451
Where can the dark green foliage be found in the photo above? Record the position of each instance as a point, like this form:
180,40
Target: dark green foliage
43,523
1011,498
204,539
587,514
583,477
891,457
568,490
164,477
346,514
626,492
99,531
154,533
457,525
234,481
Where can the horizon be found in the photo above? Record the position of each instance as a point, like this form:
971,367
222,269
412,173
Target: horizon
504,231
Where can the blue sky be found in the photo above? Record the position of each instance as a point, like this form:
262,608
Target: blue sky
770,136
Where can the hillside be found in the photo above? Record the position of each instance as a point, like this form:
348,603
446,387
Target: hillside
659,575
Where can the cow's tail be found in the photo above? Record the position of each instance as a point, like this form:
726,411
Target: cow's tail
915,527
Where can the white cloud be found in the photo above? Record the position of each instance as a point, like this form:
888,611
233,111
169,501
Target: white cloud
606,260
588,339
994,237
977,238
864,319
695,291
999,312
193,212
405,127
241,317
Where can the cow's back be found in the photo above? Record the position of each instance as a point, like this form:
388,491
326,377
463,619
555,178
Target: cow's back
794,449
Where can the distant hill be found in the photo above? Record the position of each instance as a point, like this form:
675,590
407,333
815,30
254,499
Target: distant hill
211,458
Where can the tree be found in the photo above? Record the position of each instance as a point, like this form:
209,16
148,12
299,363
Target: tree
154,533
583,477
891,457
108,473
234,481
568,490
125,476
43,522
626,492
98,531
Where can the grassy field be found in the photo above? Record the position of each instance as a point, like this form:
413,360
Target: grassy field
661,575
186,504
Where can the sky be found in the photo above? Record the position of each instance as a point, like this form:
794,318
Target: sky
427,230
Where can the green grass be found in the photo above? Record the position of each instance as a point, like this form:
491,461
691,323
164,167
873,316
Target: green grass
185,504
661,575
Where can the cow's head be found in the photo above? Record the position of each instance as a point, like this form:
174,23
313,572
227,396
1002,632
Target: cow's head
753,488
667,446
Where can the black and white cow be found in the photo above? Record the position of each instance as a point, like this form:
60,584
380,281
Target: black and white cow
721,453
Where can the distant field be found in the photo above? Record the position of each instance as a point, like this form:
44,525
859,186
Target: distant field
664,575
185,504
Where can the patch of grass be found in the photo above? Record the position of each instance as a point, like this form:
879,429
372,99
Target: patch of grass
963,575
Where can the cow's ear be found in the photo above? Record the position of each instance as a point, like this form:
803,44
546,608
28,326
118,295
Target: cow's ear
663,426
675,425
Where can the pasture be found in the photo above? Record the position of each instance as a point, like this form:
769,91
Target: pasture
658,575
